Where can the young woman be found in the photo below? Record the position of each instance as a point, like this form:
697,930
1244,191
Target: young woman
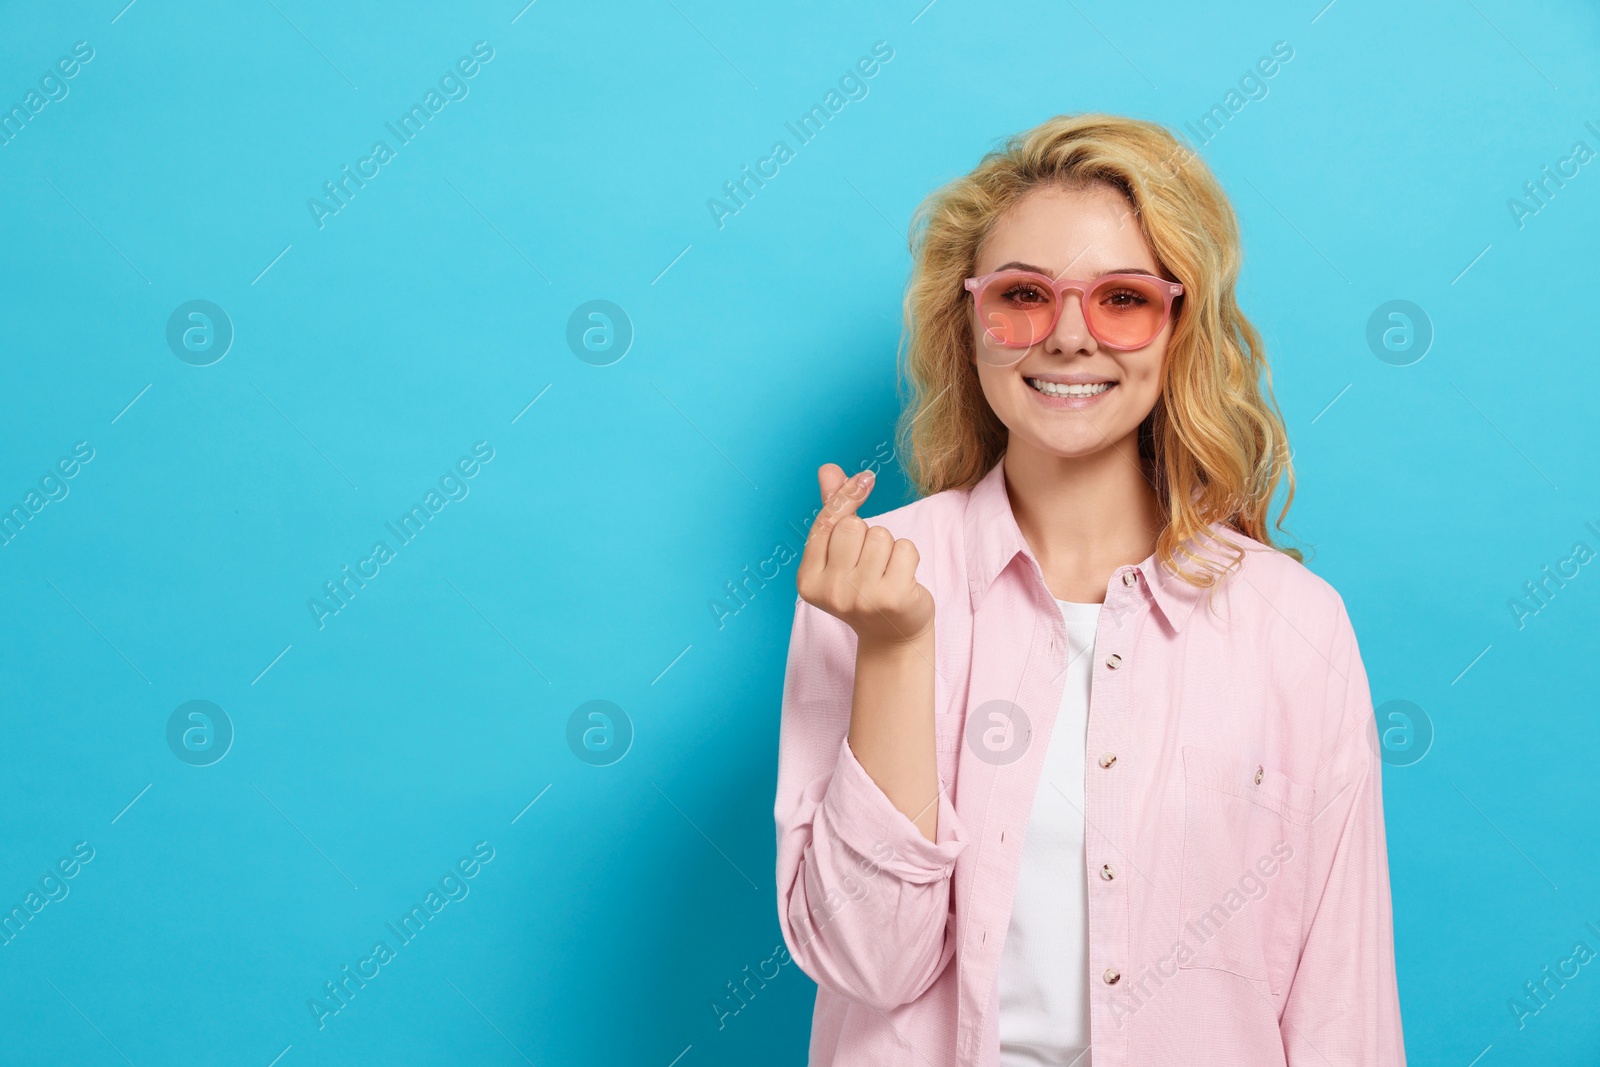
1072,756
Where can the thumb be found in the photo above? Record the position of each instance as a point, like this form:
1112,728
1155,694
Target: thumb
848,493
830,476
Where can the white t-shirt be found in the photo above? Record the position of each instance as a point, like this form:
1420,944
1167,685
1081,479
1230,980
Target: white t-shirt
1044,970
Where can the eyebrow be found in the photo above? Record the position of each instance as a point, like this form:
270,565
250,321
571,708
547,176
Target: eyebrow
1051,274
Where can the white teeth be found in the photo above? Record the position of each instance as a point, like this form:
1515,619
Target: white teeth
1052,389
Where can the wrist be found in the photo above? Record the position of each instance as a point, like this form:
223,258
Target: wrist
897,646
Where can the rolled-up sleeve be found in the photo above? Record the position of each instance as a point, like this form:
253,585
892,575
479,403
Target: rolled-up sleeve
863,897
1343,1006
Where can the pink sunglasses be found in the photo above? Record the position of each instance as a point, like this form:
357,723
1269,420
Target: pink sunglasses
1020,308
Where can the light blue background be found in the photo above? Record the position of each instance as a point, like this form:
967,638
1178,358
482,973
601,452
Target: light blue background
426,716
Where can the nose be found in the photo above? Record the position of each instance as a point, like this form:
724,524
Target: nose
1071,333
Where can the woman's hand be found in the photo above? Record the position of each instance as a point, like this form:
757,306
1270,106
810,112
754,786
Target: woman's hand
862,575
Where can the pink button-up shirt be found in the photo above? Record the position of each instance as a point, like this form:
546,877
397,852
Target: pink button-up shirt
1238,881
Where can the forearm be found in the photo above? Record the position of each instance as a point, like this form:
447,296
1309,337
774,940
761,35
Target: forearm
892,726
864,898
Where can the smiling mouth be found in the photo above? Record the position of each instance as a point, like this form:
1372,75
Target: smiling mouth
1056,389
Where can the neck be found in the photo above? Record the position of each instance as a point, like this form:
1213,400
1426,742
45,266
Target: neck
1084,516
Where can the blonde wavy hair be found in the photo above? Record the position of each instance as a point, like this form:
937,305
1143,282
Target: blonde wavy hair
1214,446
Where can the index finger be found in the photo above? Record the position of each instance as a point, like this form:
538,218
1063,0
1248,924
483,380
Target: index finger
844,500
841,503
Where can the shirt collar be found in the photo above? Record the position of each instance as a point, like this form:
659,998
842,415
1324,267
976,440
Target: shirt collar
993,539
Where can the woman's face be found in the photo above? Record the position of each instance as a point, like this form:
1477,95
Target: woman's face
1069,234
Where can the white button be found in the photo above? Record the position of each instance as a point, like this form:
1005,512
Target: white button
1130,578
1114,662
1111,976
1108,872
1108,759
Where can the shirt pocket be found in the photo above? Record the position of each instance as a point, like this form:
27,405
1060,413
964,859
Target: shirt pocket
1246,845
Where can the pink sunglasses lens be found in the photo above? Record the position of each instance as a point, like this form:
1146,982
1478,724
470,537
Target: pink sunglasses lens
1127,311
1016,310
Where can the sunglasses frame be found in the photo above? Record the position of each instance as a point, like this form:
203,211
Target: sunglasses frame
1083,287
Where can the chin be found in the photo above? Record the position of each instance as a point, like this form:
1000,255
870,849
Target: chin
1075,445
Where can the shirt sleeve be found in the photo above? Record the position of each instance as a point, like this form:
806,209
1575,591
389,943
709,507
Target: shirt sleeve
864,898
1343,1005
